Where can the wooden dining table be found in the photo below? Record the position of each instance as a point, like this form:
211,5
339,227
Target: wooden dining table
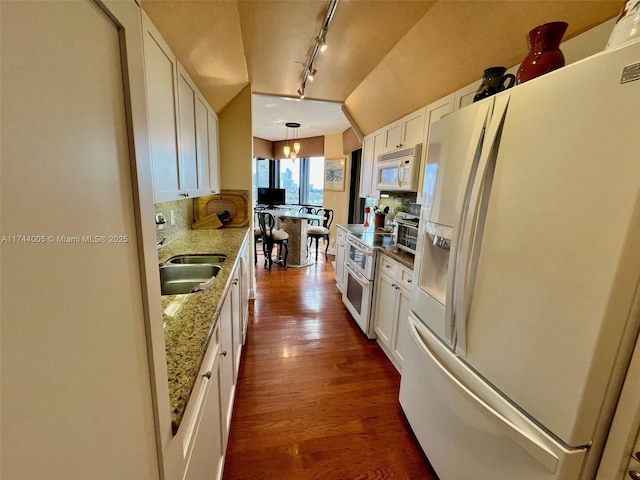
295,224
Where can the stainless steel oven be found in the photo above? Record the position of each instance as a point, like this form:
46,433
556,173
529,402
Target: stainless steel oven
358,286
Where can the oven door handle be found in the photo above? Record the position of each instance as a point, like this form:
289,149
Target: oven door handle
357,275
357,246
361,248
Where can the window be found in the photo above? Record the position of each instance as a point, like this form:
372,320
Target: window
315,181
262,174
290,179
302,178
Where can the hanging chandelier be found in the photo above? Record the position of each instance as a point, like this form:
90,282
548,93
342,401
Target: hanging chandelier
288,152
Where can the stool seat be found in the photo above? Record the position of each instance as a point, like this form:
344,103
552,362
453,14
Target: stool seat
277,235
316,230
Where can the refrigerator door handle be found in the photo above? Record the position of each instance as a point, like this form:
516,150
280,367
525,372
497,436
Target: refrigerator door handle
475,146
467,251
534,448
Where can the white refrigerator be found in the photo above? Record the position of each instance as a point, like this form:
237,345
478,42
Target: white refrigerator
528,267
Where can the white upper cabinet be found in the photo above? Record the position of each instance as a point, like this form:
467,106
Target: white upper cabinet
187,127
373,145
202,144
413,128
379,146
184,129
161,83
408,131
464,96
214,154
366,166
393,135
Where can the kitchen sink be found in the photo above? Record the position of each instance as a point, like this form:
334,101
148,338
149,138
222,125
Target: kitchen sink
183,278
197,259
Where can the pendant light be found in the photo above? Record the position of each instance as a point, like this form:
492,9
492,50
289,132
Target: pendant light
288,152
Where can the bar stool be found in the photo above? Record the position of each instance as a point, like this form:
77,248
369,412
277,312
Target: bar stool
272,236
321,231
257,238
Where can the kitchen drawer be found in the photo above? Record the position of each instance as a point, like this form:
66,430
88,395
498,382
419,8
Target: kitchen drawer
389,266
406,278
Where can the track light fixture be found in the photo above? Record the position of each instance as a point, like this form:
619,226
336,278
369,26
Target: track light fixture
321,40
320,46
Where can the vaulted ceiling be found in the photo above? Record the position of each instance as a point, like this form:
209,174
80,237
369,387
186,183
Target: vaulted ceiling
385,59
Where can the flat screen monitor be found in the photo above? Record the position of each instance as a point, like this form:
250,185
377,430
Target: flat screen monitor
272,196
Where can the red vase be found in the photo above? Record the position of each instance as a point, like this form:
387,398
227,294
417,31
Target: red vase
544,52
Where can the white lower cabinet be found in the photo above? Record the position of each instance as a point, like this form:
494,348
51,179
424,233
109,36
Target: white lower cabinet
236,320
245,272
196,451
205,462
198,448
401,337
341,255
227,377
394,284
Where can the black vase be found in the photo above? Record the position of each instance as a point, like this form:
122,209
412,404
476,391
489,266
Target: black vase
493,81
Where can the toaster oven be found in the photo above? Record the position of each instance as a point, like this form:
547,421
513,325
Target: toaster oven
406,231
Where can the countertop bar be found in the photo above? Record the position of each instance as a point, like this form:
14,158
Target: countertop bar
379,240
190,319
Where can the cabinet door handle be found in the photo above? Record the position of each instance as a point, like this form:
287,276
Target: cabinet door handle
634,474
636,456
207,375
186,194
223,353
235,281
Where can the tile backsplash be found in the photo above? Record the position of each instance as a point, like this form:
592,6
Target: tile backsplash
396,201
182,214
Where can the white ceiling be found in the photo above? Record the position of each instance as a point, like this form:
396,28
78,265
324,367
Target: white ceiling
316,118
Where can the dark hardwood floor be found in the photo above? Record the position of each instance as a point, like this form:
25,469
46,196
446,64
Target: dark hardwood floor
315,399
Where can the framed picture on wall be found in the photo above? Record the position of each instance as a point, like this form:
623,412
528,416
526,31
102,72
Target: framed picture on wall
334,174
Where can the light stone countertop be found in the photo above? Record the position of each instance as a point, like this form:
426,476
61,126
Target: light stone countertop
190,319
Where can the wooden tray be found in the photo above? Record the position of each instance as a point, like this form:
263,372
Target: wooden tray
211,222
235,202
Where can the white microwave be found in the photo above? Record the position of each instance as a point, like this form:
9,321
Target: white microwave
398,170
